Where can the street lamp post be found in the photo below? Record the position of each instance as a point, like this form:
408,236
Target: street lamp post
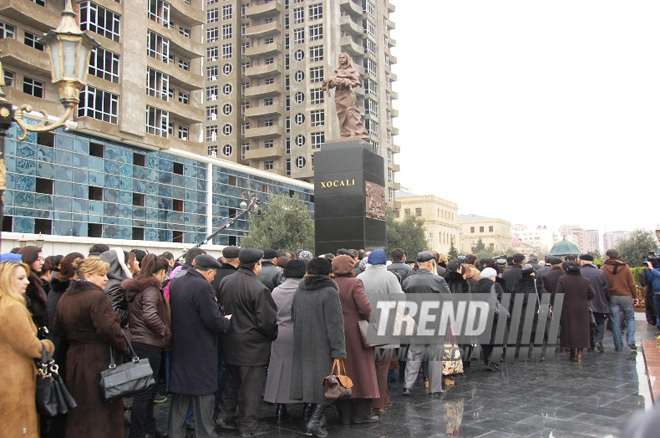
69,49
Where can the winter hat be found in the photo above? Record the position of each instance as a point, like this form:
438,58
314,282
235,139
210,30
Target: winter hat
305,256
319,266
230,252
424,256
377,257
343,264
455,266
527,269
587,257
489,273
248,256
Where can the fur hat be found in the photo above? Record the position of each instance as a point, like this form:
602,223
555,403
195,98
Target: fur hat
319,266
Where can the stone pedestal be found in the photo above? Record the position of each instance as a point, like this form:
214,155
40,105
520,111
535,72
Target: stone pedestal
349,197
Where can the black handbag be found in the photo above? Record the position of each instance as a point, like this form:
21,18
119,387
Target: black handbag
126,379
53,397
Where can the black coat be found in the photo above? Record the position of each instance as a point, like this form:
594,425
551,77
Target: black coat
457,284
401,269
511,276
425,282
550,282
271,276
223,272
196,322
57,289
253,321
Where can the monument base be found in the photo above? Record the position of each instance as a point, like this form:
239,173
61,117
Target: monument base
349,196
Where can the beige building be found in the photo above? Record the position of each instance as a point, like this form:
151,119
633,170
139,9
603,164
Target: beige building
264,63
494,233
440,218
145,83
582,238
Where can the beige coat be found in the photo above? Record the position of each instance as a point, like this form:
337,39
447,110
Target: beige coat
19,346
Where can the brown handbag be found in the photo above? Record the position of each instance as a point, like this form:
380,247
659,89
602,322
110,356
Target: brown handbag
338,384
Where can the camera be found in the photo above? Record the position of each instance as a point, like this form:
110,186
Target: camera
653,259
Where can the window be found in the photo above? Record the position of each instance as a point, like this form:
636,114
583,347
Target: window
212,35
300,119
316,11
406,212
212,73
287,125
7,30
212,15
316,74
370,27
244,47
157,121
370,9
183,132
298,15
100,20
269,81
318,139
211,133
44,186
227,150
227,68
226,31
227,129
184,98
269,122
268,165
157,84
212,151
315,32
184,64
370,66
316,96
33,87
481,229
299,55
371,107
158,47
159,11
244,148
269,144
268,101
185,31
104,64
227,51
95,193
212,112
227,109
288,167
390,175
10,77
227,12
317,118
299,35
244,27
212,53
471,229
299,76
30,39
300,162
244,126
98,104
370,46
372,127
299,97
370,87
300,140
316,53
490,229
227,89
212,93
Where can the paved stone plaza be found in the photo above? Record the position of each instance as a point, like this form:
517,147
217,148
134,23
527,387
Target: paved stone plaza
554,398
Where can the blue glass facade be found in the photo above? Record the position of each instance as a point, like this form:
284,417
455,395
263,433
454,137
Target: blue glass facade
70,184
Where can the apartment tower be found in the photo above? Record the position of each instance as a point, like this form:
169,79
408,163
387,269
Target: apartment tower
264,65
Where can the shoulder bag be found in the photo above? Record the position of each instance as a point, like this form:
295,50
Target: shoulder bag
494,304
337,384
125,380
53,397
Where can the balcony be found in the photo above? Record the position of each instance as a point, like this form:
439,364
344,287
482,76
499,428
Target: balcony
390,7
264,10
394,113
396,149
393,77
264,49
263,90
393,59
264,30
389,24
262,71
264,110
262,153
349,26
16,55
30,14
264,132
184,13
396,167
178,77
351,7
189,113
179,44
351,47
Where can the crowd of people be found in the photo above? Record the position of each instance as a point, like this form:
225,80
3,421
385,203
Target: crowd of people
254,325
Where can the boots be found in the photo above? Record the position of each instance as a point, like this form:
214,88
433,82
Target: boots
572,356
308,408
316,422
579,355
281,413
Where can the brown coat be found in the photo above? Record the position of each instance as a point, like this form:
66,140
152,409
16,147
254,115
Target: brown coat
575,326
620,278
85,319
148,313
19,346
359,360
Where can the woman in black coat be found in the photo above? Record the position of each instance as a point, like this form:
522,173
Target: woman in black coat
575,328
318,338
34,294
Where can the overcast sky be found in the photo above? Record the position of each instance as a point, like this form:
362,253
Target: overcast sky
536,112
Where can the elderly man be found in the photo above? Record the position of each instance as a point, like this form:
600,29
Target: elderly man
600,303
196,322
425,281
246,347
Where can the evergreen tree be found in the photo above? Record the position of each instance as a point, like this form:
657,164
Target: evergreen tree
286,224
637,247
409,234
453,252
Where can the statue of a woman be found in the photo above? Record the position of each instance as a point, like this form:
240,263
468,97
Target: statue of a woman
346,77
